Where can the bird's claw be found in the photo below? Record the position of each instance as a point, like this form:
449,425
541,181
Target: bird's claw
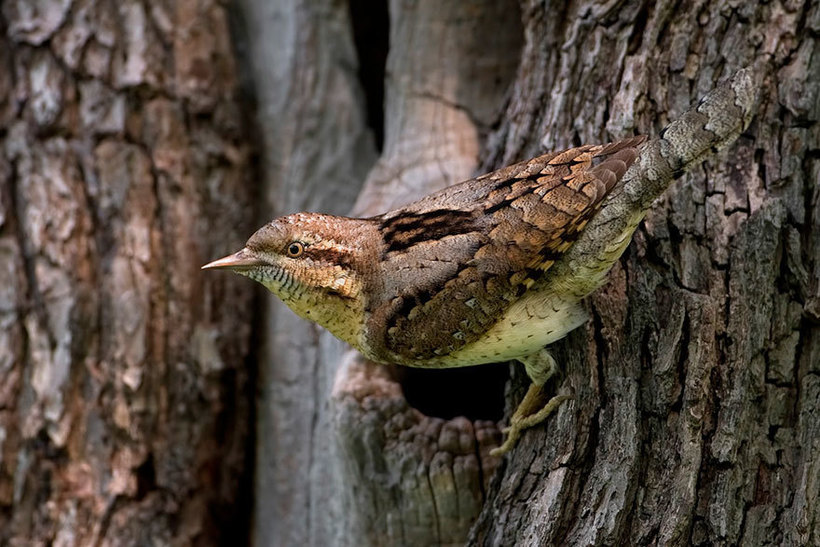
524,418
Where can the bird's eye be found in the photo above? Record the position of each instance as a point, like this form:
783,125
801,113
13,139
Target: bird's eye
296,249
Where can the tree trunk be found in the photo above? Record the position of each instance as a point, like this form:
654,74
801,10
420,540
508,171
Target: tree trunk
125,394
317,150
695,417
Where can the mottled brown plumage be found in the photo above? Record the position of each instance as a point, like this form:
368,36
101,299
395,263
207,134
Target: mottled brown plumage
453,262
491,269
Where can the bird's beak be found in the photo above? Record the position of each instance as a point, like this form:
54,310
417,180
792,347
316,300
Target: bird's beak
241,260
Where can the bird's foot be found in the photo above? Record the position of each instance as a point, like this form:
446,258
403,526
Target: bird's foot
529,413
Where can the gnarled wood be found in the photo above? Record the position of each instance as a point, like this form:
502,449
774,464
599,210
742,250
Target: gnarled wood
125,397
694,384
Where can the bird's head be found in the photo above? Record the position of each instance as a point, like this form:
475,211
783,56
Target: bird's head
315,263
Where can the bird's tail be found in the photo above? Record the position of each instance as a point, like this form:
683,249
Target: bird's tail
717,120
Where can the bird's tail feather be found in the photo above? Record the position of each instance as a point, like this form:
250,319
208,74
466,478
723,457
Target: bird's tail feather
717,120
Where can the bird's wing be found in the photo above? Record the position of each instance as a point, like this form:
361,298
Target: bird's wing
479,245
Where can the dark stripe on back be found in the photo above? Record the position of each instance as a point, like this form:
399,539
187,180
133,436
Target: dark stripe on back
407,229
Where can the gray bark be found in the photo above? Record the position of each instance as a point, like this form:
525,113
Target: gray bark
124,399
435,123
696,394
409,478
317,150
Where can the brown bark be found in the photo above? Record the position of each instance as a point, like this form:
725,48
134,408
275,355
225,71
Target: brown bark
125,396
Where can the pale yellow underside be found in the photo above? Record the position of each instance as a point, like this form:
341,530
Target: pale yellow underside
532,322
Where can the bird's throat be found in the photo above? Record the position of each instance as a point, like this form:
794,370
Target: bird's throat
341,315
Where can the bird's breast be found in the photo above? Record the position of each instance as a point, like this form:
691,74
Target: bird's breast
343,317
535,320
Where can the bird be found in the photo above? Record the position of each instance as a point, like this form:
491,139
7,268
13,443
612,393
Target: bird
492,269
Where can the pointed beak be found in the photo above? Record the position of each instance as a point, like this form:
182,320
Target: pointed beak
241,260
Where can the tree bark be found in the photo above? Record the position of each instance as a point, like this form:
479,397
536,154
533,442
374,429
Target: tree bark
696,389
416,473
316,159
125,396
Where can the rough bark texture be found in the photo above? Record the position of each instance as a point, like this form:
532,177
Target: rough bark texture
695,418
124,396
